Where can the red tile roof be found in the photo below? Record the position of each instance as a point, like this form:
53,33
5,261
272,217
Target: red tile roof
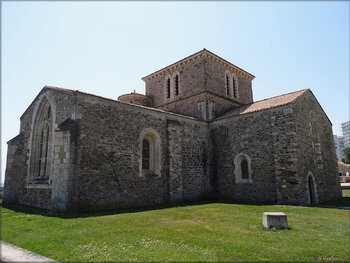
265,104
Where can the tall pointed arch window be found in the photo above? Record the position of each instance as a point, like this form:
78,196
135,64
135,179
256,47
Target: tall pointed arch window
41,145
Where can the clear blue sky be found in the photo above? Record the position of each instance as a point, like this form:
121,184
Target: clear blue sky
106,47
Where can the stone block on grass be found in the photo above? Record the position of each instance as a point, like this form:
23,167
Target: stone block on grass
275,219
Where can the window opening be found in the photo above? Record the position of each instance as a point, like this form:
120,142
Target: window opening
168,88
234,87
177,85
145,154
244,167
227,85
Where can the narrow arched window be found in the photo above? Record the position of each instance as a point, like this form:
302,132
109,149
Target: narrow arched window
244,169
243,173
145,154
168,88
150,152
234,87
177,85
227,85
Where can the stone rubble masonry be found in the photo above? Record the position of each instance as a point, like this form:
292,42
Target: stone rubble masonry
202,79
97,146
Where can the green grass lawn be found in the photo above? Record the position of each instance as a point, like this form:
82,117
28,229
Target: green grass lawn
201,232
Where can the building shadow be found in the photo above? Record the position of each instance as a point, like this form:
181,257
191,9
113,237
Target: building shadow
341,203
48,213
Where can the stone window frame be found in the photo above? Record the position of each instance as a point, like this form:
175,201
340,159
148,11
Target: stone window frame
40,110
154,152
310,174
230,89
238,170
176,73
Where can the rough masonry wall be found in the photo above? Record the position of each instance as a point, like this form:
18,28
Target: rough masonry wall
188,160
325,171
249,134
215,81
191,81
191,106
288,188
16,174
110,148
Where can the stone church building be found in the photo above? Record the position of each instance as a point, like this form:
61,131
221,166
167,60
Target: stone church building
196,134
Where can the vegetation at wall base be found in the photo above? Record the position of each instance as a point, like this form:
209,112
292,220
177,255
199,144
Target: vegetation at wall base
209,232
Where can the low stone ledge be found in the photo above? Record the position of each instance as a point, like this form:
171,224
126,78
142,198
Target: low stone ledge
275,219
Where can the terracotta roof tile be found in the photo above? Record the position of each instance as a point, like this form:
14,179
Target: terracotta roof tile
265,104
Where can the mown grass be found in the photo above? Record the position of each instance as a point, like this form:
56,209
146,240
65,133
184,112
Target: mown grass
202,232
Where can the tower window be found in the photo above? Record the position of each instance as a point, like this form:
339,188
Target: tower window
168,88
234,87
177,85
227,85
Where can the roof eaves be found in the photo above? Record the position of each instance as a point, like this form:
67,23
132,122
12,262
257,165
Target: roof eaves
194,56
225,116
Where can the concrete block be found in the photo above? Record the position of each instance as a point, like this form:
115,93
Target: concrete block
275,219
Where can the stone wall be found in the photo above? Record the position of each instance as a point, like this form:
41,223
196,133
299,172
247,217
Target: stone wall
324,167
204,106
249,134
191,81
215,82
202,79
19,148
98,144
110,156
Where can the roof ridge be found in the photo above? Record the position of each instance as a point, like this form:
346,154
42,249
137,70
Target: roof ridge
58,88
131,104
194,55
259,105
279,96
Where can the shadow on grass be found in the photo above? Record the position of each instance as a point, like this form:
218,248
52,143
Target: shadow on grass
338,203
48,213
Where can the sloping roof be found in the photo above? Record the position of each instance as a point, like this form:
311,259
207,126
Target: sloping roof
109,99
194,56
265,104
